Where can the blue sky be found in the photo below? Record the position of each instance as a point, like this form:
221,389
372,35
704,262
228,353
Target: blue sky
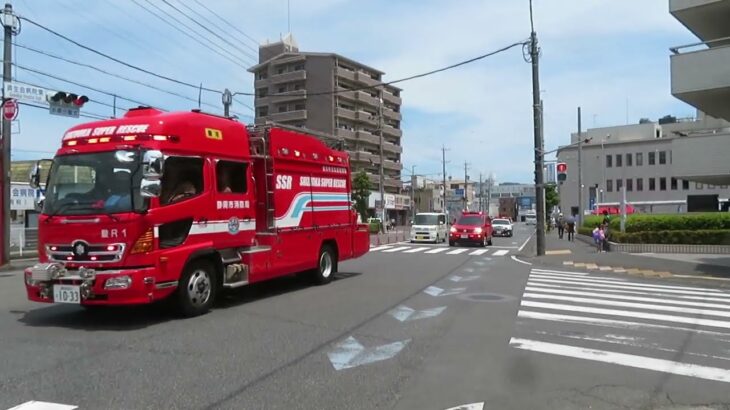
595,54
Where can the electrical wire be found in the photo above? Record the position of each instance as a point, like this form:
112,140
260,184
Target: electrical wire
226,22
400,80
116,60
82,114
230,56
90,99
57,57
213,24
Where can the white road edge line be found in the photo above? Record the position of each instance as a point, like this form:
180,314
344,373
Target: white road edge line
525,243
623,359
514,258
43,405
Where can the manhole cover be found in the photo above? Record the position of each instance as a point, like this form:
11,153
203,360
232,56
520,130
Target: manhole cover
484,297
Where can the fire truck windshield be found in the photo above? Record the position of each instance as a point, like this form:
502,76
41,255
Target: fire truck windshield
97,183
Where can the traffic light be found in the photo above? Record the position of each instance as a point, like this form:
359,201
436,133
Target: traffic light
61,97
562,169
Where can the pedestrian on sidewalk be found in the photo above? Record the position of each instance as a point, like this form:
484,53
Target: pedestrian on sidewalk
606,222
561,226
599,237
571,228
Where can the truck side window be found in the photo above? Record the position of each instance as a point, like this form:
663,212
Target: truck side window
182,179
231,177
442,219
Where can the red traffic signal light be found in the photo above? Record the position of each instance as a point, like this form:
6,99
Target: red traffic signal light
562,167
68,98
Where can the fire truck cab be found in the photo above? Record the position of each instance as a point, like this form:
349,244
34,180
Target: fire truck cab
182,205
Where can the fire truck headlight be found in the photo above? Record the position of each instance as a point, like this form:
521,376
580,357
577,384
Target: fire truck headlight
29,279
118,282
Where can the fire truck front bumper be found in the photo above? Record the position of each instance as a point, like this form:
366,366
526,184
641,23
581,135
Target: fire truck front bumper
53,283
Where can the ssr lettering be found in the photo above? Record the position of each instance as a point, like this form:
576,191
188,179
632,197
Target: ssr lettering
283,182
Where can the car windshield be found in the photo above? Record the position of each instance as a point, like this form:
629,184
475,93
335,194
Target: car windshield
500,222
96,183
423,219
474,220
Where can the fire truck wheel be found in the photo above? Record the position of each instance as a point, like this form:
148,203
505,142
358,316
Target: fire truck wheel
196,290
327,265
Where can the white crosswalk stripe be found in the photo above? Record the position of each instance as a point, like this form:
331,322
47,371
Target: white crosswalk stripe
586,316
440,249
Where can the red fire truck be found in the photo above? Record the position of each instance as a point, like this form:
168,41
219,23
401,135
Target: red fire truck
185,204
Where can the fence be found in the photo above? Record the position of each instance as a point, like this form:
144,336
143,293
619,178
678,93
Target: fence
23,241
668,248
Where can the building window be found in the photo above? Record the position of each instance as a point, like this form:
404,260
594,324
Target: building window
629,184
299,67
652,184
639,184
629,160
619,185
652,158
282,89
282,108
698,185
662,157
662,184
609,161
639,159
280,70
609,185
619,160
263,111
262,92
673,184
685,185
299,107
263,75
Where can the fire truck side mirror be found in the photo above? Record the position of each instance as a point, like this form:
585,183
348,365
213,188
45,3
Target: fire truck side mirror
150,188
35,176
153,163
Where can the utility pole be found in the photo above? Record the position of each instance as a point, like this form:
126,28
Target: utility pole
481,194
489,191
537,116
580,171
9,26
382,172
413,191
227,98
443,165
466,185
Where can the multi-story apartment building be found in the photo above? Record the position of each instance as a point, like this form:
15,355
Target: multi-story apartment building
335,95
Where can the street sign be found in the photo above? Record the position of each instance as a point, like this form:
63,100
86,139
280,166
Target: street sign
64,110
24,92
459,192
10,110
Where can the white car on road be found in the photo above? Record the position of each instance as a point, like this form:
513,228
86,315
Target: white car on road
502,227
429,227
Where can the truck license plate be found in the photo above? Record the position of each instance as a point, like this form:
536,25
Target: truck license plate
66,294
464,236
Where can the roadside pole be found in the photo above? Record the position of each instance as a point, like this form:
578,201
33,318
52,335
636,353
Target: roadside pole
9,29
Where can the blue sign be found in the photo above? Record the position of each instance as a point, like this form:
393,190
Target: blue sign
459,192
526,202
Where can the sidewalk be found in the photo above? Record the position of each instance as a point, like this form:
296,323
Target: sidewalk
581,254
398,234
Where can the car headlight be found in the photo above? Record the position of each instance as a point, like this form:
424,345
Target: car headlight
478,230
452,230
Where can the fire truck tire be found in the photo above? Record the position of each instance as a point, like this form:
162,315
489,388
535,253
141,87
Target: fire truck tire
326,265
196,290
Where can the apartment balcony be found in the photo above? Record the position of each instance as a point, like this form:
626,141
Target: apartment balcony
261,83
396,166
392,131
366,79
347,134
298,75
366,98
346,95
393,183
392,148
392,115
366,117
346,74
707,19
368,137
262,101
286,96
288,60
363,156
702,158
392,98
345,113
287,116
701,78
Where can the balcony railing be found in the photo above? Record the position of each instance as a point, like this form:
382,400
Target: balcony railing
288,116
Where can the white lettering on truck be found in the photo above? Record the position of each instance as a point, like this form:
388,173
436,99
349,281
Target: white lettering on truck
283,181
318,182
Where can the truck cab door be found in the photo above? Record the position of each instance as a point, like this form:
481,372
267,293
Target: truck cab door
234,203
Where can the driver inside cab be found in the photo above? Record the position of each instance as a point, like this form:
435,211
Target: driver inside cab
177,187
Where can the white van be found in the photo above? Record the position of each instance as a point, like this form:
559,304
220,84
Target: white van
530,219
429,227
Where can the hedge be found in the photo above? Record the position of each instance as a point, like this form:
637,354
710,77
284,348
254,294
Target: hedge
684,237
637,223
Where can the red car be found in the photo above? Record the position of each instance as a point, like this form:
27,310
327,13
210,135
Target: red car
472,227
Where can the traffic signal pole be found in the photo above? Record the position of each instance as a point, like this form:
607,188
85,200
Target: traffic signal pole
5,197
539,154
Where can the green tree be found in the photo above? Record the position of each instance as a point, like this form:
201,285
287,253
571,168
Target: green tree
361,193
551,197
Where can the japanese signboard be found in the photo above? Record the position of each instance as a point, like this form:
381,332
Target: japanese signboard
24,92
22,197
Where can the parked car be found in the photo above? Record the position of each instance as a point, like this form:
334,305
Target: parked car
502,227
473,228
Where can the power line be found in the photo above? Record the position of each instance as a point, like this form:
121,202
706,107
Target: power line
116,60
90,100
57,57
400,80
83,114
213,24
230,56
226,22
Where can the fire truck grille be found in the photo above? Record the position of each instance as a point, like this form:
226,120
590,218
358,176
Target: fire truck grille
82,252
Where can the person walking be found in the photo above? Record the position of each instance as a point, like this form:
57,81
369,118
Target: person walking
598,237
561,226
571,227
606,222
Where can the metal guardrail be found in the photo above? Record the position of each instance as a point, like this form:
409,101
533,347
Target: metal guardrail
675,50
23,241
668,248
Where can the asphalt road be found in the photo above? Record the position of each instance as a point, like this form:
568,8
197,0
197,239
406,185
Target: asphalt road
407,326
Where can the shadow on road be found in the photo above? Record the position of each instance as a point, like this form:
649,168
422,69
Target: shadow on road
121,318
